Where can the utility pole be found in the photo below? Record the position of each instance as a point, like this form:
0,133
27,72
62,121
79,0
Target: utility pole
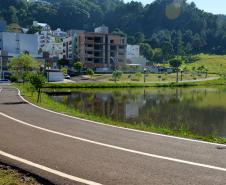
1,65
145,70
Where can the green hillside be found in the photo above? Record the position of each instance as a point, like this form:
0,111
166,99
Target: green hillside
216,64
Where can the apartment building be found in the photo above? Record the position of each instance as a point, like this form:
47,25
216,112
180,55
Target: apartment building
68,52
101,49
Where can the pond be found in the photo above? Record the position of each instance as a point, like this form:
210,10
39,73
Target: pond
201,111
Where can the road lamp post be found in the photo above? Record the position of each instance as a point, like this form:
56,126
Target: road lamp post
1,65
145,70
114,63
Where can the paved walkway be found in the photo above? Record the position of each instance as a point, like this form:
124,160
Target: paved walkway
67,150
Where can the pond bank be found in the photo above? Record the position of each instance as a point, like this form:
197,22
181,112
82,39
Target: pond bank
135,85
49,103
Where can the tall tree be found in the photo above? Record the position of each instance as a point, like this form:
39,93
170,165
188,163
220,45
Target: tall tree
176,63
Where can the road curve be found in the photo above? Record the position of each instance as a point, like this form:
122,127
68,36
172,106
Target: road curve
67,150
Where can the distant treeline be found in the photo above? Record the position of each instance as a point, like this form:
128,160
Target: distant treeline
164,28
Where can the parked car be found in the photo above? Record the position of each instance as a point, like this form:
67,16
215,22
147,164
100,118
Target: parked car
67,77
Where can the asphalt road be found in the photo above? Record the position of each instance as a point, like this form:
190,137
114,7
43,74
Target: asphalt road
67,150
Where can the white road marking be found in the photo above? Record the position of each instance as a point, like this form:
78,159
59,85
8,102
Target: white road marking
44,168
118,148
128,129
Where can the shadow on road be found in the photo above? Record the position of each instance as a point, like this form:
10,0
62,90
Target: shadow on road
14,103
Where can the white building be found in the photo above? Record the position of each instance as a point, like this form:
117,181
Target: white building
16,43
102,29
132,51
58,33
54,49
50,41
44,26
133,56
68,48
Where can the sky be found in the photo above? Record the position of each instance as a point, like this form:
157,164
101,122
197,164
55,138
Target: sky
213,6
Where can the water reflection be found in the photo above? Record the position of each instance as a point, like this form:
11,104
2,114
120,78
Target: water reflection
201,111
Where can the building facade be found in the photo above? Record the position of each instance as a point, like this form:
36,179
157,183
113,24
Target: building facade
134,58
101,49
3,26
16,43
68,52
132,51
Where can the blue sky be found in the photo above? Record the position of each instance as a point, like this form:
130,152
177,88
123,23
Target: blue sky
214,6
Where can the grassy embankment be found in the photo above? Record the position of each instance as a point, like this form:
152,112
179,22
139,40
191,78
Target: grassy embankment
134,84
50,104
9,176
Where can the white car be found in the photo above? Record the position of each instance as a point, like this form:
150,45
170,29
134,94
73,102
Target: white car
67,77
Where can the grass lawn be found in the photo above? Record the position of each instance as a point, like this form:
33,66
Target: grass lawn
150,78
216,65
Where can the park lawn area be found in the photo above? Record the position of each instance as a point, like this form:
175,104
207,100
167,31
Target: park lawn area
216,64
150,78
9,176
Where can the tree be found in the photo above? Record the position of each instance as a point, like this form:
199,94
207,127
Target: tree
37,81
116,75
146,51
167,50
34,29
202,69
78,66
139,37
13,13
63,62
90,72
14,27
138,76
176,63
23,64
158,55
64,70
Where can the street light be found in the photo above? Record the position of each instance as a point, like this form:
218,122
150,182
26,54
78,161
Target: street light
145,70
114,62
1,65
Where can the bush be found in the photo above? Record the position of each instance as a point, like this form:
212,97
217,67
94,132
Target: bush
37,81
13,79
116,75
137,77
